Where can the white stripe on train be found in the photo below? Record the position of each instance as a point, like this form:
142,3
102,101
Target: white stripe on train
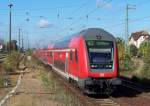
66,75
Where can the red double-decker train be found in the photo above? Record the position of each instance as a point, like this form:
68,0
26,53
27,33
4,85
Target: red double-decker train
88,58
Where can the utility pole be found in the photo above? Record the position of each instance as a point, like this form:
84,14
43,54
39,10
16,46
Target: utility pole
28,45
22,44
87,17
19,39
10,5
128,7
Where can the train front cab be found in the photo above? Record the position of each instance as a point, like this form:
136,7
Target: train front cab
102,66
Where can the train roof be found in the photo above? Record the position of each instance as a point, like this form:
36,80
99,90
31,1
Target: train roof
87,34
92,33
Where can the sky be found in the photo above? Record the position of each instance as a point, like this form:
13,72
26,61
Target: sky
46,21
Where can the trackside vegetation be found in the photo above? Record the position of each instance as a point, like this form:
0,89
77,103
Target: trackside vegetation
9,64
145,54
60,94
136,61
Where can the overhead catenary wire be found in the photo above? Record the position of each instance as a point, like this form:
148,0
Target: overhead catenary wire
42,9
79,19
130,21
138,4
90,12
72,13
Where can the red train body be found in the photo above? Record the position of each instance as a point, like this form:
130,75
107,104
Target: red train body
88,58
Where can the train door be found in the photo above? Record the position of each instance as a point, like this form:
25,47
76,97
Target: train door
73,63
66,64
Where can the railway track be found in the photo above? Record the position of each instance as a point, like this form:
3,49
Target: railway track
85,100
132,85
139,88
103,101
2,56
124,97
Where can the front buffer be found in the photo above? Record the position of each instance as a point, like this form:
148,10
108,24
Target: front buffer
99,85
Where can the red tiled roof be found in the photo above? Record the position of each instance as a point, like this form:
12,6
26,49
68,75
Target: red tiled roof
137,35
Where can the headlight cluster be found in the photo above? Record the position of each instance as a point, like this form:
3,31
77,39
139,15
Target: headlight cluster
101,66
94,66
108,66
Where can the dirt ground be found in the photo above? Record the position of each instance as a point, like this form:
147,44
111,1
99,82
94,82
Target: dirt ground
4,91
36,90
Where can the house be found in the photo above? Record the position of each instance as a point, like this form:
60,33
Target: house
139,37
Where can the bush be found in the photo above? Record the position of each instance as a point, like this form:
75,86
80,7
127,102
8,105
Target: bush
144,53
143,50
11,62
121,47
146,68
29,52
133,50
125,63
1,82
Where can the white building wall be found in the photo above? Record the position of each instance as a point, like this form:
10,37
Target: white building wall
138,42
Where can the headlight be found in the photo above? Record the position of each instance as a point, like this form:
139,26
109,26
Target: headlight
108,66
94,66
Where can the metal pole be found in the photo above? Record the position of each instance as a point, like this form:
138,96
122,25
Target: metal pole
127,23
10,5
19,39
28,42
22,44
127,26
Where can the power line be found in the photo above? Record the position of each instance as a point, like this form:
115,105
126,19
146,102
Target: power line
52,8
87,15
105,3
130,21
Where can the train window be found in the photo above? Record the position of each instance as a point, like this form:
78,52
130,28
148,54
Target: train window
71,55
90,43
76,55
99,44
51,54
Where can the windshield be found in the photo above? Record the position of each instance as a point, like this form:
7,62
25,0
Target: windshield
100,54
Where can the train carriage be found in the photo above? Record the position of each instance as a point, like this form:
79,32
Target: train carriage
88,58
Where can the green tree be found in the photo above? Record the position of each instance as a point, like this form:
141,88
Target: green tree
133,50
121,47
145,53
125,62
144,49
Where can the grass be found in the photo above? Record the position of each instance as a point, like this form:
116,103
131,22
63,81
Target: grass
47,81
10,64
1,82
61,94
138,74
